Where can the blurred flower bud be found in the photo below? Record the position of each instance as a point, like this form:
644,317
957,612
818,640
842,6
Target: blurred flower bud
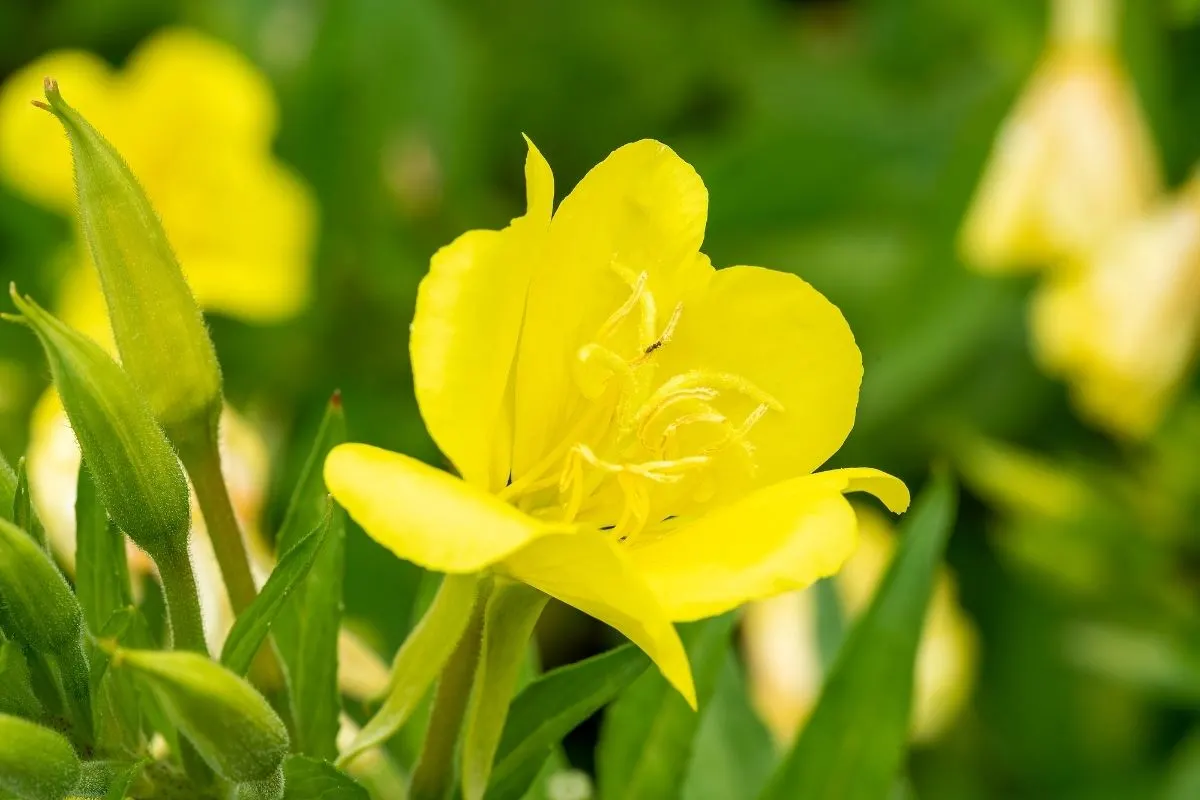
38,605
1073,159
157,325
35,763
231,726
1121,327
136,471
781,644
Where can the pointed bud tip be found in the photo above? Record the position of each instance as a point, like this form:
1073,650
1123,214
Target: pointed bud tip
335,399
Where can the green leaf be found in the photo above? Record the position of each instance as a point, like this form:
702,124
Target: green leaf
310,779
16,685
122,782
512,611
419,661
101,568
550,708
733,755
255,622
23,513
8,489
306,630
106,778
854,742
647,737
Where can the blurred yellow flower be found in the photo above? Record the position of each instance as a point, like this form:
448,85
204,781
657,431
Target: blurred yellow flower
1121,324
195,120
636,431
784,666
1074,158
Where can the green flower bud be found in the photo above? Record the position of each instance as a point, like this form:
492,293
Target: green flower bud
158,327
35,763
230,725
38,605
16,685
137,475
269,789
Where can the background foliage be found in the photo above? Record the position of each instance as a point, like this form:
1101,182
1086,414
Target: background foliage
840,140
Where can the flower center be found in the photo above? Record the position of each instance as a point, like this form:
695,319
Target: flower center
642,447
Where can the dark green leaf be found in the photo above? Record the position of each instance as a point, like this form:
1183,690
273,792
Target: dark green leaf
101,568
1182,779
831,622
550,708
306,630
8,489
24,514
854,742
646,742
255,622
310,779
733,755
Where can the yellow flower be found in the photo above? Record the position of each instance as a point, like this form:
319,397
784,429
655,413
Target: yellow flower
195,120
1122,326
780,643
1074,158
635,430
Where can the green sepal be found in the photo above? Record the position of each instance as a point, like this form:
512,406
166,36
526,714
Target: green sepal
837,755
101,567
419,661
39,607
230,725
306,630
512,611
136,472
271,788
155,320
35,762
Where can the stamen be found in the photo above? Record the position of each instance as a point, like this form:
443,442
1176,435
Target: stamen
593,385
664,337
638,285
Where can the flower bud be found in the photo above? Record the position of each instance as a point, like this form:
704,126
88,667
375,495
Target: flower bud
155,320
1122,326
35,763
231,726
269,789
16,685
38,605
1074,158
136,472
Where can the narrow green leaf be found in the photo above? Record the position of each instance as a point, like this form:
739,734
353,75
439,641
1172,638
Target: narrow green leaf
123,781
733,756
306,630
512,611
101,568
550,708
16,685
838,756
647,737
252,625
311,779
831,621
8,489
419,661
24,514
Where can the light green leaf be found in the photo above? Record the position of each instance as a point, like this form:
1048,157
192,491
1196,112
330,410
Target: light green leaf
854,742
255,622
122,782
310,779
23,513
646,741
550,708
101,568
419,661
733,755
306,630
16,685
512,611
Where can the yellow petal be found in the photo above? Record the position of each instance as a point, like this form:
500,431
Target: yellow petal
783,336
777,539
465,332
34,155
587,571
425,515
642,209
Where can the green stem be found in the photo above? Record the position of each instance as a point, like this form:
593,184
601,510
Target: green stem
433,777
202,460
183,601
